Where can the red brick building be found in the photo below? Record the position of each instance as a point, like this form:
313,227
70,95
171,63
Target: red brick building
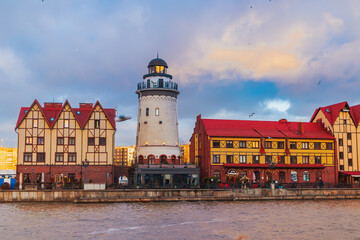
292,153
60,144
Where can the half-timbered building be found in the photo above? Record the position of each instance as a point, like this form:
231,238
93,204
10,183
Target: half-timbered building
60,144
290,153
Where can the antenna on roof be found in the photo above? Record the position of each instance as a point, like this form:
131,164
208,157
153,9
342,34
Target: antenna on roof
157,55
2,142
53,99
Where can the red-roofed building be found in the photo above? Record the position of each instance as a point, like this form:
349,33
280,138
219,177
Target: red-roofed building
293,153
56,142
343,122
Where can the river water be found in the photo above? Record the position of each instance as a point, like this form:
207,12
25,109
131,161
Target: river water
329,219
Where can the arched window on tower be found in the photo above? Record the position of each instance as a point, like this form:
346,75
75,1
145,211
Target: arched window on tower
151,159
147,111
157,111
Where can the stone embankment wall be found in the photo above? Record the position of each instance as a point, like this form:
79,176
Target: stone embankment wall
153,195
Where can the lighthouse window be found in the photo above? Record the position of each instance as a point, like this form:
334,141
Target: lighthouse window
156,111
147,111
161,83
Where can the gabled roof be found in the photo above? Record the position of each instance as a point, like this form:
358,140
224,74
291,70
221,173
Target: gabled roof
355,111
266,129
52,111
331,112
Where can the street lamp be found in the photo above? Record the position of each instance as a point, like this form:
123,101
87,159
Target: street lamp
85,164
272,164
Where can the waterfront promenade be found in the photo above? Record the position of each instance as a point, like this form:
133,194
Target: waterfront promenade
173,195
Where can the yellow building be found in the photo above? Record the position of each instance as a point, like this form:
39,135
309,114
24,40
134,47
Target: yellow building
289,152
185,153
343,122
124,156
8,158
58,143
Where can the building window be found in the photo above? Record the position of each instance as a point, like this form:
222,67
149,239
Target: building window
329,146
60,141
71,177
216,158
217,175
341,155
35,123
256,159
242,144
341,167
156,111
341,142
27,157
27,178
294,177
147,111
268,159
162,159
71,141
280,145
28,140
350,162
306,176
40,157
267,144
59,157
242,159
281,176
151,159
317,160
229,144
317,145
281,159
229,158
216,144
255,144
293,159
305,145
305,159
72,157
349,149
292,145
102,141
66,123
141,159
349,136
344,121
91,141
97,123
40,141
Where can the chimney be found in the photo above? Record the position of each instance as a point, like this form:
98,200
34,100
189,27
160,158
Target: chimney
300,128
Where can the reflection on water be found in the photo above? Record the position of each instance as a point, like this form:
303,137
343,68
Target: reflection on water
332,219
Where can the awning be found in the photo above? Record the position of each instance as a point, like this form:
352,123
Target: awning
352,174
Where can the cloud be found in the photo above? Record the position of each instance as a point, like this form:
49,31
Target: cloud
276,105
12,68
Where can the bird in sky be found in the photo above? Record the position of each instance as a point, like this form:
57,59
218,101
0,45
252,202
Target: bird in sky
319,83
251,115
122,118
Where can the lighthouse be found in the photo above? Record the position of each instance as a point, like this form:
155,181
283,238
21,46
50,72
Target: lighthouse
157,139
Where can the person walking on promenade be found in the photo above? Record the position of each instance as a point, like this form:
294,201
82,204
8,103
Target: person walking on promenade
321,183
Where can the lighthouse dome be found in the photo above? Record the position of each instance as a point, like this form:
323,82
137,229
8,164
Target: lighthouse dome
157,62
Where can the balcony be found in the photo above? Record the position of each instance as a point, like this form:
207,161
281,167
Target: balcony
157,84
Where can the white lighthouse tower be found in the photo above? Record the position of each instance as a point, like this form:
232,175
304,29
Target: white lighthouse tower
157,139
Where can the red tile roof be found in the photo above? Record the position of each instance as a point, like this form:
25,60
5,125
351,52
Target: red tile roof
331,112
267,129
51,112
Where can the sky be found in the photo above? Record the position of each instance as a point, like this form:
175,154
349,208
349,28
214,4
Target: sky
274,58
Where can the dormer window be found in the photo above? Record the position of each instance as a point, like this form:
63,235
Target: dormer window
78,113
52,119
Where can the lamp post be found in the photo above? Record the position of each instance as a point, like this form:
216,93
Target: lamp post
85,165
272,164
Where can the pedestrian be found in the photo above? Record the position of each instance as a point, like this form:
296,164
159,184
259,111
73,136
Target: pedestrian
321,183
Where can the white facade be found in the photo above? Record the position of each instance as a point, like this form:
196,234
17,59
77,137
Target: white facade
157,130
